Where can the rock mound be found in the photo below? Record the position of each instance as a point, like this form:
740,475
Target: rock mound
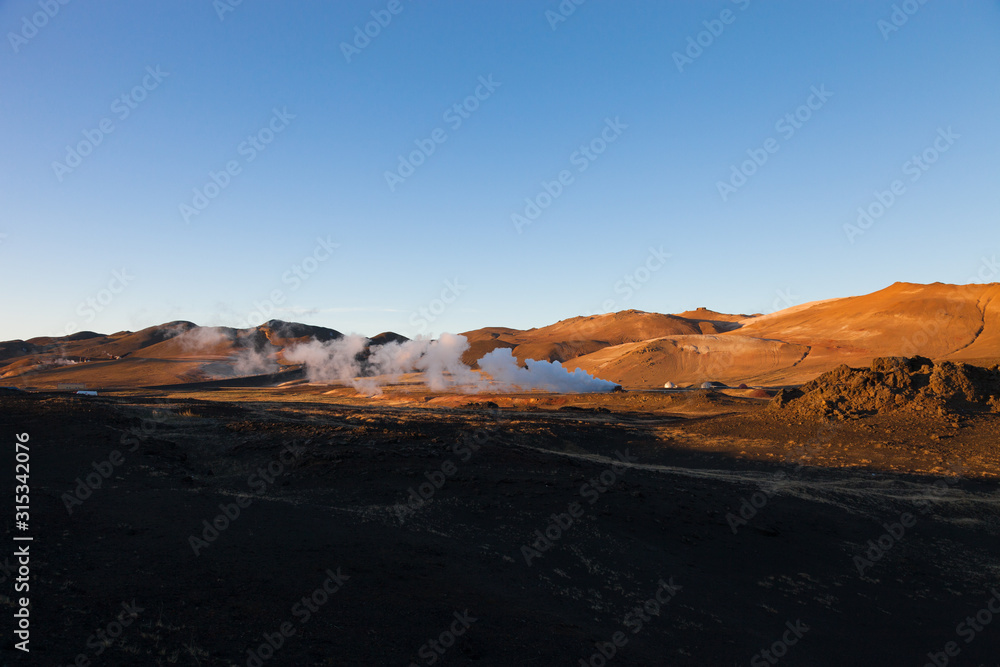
893,384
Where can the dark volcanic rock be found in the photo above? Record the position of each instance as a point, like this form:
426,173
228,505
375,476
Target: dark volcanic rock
895,383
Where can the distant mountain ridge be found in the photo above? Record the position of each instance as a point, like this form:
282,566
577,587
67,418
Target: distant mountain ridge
633,348
170,353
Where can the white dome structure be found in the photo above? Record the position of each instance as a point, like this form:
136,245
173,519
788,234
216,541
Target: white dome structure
670,385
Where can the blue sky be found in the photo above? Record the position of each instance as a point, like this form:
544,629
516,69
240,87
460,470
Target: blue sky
310,229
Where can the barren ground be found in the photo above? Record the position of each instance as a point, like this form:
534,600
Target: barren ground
695,459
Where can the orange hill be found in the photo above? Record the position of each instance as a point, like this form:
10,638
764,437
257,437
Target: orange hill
577,336
633,348
955,322
791,346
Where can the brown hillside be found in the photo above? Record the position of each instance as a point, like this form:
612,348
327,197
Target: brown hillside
904,319
694,359
634,348
577,336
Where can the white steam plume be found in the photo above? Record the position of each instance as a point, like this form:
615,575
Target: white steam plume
254,362
330,361
201,339
440,360
501,365
342,360
245,360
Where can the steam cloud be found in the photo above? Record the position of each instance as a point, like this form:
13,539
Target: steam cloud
254,362
501,365
343,360
248,360
199,339
330,361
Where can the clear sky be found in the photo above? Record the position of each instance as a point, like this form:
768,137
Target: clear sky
114,117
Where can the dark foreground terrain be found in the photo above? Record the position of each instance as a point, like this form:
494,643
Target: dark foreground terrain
550,535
